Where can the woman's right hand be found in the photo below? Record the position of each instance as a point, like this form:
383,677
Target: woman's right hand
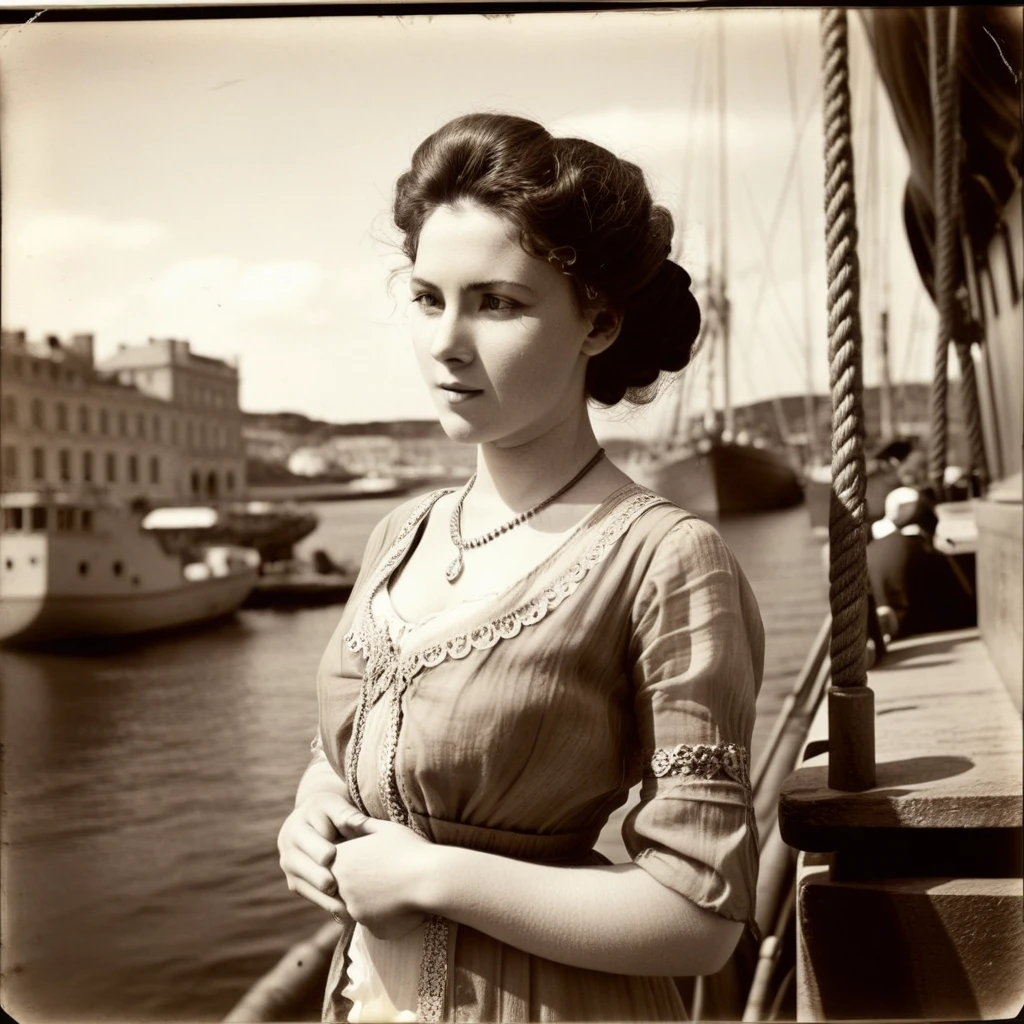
306,843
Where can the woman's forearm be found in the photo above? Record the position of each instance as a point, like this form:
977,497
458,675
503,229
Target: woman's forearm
614,918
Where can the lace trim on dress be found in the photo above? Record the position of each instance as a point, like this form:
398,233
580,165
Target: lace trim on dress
433,970
703,761
360,638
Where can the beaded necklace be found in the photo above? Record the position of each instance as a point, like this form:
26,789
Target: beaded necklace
455,523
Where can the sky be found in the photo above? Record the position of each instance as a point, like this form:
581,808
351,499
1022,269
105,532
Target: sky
229,183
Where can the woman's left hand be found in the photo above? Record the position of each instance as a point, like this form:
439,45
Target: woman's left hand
380,867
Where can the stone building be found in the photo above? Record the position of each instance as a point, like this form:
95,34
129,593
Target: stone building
154,421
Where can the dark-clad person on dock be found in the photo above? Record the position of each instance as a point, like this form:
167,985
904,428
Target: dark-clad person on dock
519,652
916,589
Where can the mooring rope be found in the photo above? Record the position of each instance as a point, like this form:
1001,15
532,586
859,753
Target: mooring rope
942,80
972,415
848,581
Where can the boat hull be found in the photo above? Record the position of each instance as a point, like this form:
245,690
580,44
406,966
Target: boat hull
726,480
53,617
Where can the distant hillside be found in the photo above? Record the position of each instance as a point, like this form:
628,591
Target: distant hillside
297,424
272,436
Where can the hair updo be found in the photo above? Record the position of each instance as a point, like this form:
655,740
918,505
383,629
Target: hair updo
585,209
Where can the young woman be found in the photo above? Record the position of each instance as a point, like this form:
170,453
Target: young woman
519,652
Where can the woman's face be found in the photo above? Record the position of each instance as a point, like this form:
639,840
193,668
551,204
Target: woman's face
499,338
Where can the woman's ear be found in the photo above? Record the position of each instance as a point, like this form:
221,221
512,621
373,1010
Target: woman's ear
605,328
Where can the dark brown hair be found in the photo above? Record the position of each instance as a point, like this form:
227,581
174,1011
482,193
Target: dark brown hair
585,209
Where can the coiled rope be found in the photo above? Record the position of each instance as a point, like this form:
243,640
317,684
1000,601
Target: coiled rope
851,709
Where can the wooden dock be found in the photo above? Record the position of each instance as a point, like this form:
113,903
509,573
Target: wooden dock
924,870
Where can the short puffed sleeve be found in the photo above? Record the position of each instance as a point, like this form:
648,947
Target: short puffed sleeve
696,659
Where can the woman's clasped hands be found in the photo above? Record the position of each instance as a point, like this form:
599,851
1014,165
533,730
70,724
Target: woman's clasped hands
355,866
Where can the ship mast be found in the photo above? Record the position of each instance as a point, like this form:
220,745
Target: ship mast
880,262
723,260
810,413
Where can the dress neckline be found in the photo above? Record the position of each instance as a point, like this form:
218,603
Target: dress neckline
412,530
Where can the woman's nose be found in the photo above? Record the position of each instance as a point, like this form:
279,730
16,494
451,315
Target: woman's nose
451,339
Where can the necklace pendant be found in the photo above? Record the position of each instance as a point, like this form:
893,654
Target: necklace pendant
451,574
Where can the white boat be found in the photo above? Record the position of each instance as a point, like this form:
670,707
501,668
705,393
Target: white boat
75,566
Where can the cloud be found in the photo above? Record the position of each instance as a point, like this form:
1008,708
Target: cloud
71,233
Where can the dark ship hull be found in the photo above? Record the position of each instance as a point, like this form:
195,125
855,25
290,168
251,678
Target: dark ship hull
726,479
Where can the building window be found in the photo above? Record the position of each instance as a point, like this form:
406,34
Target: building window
122,423
65,519
154,470
87,519
62,416
37,520
111,468
84,419
38,414
87,467
17,366
140,424
38,464
64,463
188,434
202,434
54,372
133,469
10,469
174,431
230,482
104,422
13,520
156,427
10,410
195,482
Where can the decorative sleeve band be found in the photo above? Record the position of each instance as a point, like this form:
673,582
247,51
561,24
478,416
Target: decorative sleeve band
702,761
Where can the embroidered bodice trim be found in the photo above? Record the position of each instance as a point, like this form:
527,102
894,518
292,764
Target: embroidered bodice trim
703,761
365,636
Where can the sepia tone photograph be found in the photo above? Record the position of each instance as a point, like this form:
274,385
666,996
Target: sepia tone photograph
511,512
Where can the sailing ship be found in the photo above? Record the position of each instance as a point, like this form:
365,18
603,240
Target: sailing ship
725,472
76,566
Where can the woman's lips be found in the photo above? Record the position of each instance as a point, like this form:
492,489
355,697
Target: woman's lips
454,394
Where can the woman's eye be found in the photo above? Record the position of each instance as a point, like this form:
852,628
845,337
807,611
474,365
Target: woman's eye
426,301
496,304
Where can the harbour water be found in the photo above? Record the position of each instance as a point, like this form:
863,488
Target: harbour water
144,784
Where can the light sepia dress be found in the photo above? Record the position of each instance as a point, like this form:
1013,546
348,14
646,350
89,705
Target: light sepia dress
516,723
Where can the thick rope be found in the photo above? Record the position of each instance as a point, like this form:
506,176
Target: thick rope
848,581
972,416
960,304
942,81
